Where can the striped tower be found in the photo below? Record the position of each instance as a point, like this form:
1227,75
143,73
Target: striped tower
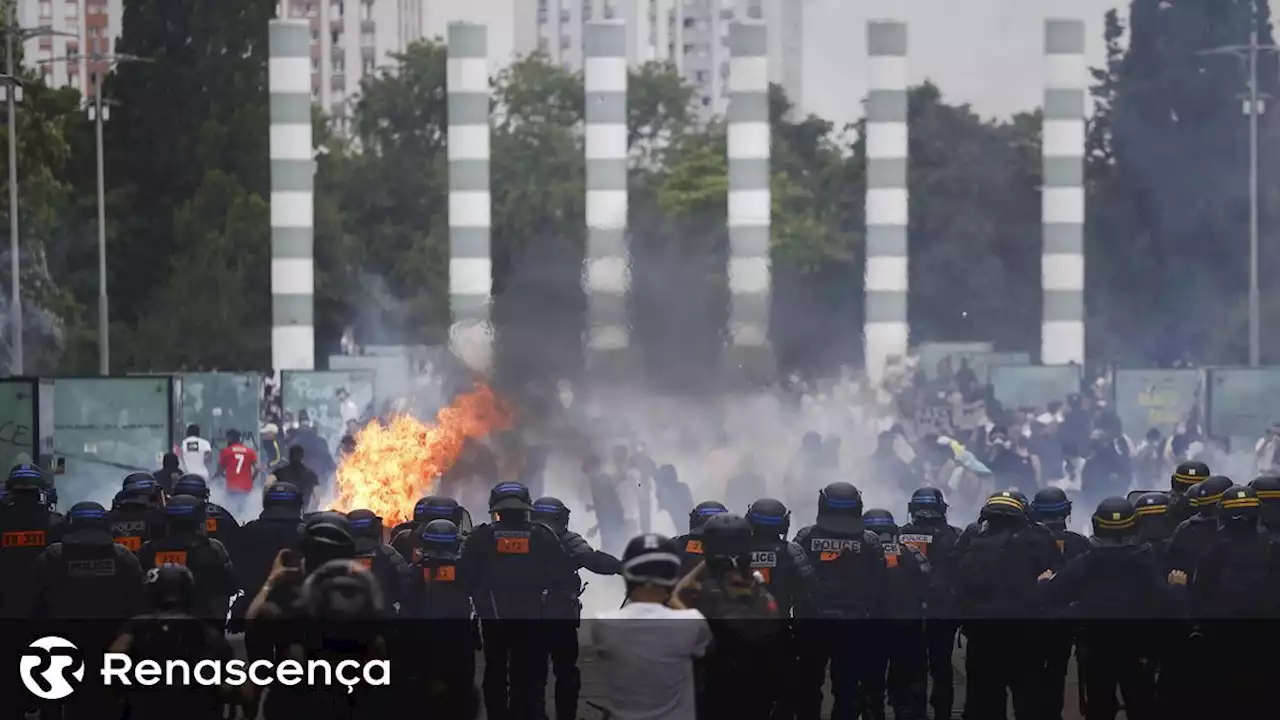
1062,265
750,206
293,335
886,331
607,272
470,266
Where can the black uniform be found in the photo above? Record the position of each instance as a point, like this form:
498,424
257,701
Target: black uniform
1051,508
690,544
510,566
390,569
27,527
929,533
440,655
1185,476
184,543
136,516
851,573
1155,526
995,583
405,537
259,541
562,605
1267,487
1196,535
900,649
1118,580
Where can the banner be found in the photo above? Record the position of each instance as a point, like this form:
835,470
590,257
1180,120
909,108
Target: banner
107,427
934,355
948,420
1243,402
1154,398
1034,386
219,402
322,395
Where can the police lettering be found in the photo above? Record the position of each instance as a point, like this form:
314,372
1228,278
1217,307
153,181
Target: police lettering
91,568
129,527
834,545
764,559
919,542
891,553
28,538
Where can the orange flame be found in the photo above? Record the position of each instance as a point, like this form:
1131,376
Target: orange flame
395,464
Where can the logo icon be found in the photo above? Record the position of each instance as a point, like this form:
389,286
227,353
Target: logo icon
52,668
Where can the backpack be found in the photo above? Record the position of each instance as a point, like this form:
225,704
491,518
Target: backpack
994,577
743,618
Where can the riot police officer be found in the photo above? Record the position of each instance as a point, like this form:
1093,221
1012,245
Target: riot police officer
137,515
929,532
390,570
259,541
996,581
431,507
1195,535
900,649
1267,488
562,605
510,565
1185,477
1119,579
851,574
219,523
1051,507
690,544
184,543
87,575
27,527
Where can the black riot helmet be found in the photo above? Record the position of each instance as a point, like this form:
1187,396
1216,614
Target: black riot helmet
325,539
1267,488
87,516
432,507
341,590
193,485
1002,506
143,489
25,477
136,477
1204,496
702,511
927,503
651,559
881,523
840,508
1115,519
282,501
366,530
184,514
769,518
170,588
1020,497
510,497
1186,475
1154,520
726,543
552,512
440,535
1050,505
1239,507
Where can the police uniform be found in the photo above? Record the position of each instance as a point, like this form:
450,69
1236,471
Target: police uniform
1185,477
259,541
1051,508
432,507
439,654
88,576
390,569
1267,488
851,574
900,649
1196,535
136,515
510,565
27,527
690,544
185,543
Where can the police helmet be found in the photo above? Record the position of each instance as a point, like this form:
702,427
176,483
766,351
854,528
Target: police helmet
185,512
1020,497
726,536
283,497
1050,503
1115,518
24,476
510,496
1204,496
366,529
704,510
1267,487
651,559
1152,504
193,485
87,516
136,477
1188,474
325,540
840,508
1003,504
927,502
551,510
341,589
440,533
769,517
435,506
1239,504
880,522
170,587
143,488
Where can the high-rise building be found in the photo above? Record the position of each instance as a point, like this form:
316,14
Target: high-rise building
95,25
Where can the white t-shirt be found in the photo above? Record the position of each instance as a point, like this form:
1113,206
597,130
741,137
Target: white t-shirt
350,411
648,651
193,452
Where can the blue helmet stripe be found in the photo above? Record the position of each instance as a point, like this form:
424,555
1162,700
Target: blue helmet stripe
843,504
710,511
765,519
440,537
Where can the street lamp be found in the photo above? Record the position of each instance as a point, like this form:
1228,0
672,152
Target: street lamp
1254,106
11,92
98,111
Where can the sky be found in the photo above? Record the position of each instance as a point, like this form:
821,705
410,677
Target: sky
983,52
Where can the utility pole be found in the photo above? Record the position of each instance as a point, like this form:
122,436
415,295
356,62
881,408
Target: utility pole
11,86
1254,106
99,64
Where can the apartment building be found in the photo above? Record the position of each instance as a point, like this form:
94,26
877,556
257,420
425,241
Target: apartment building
93,26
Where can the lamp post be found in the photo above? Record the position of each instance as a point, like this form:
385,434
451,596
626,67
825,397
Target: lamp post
99,64
11,88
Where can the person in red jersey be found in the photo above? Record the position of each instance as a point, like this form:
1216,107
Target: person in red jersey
238,463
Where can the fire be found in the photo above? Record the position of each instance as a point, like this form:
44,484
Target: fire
396,463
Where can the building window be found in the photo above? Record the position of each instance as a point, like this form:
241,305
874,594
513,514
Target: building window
587,10
336,11
706,101
369,67
755,10
73,10
564,42
367,39
700,76
609,10
564,17
46,9
315,64
543,45
366,11
338,65
315,92
335,37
